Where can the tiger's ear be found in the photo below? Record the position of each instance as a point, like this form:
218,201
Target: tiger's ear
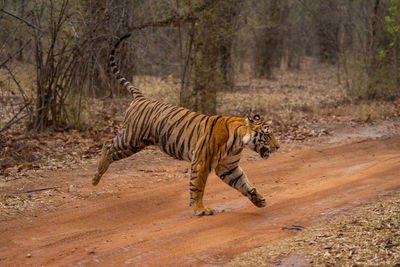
249,119
257,117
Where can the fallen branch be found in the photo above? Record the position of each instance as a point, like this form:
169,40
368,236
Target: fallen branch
293,227
41,189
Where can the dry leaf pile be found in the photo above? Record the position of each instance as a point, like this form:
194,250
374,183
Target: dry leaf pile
20,152
300,131
364,236
15,204
27,203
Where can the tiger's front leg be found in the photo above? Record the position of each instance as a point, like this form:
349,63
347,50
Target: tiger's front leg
234,176
198,181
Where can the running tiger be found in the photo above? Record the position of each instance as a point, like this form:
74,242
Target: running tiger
208,142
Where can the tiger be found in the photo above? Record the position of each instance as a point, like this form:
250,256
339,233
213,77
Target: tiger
208,142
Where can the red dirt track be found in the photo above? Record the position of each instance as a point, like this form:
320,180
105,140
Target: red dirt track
151,224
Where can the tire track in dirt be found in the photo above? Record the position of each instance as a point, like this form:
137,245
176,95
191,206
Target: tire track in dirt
154,226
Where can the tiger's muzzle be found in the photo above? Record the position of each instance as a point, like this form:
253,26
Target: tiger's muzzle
265,151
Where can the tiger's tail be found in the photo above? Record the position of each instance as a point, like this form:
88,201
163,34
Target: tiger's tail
114,69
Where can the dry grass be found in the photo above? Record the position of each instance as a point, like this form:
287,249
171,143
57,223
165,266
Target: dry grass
290,93
311,93
24,74
307,94
166,90
10,95
364,236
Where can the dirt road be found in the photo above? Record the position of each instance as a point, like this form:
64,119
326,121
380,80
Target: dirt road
139,214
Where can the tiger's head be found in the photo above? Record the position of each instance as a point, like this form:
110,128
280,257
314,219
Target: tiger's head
261,139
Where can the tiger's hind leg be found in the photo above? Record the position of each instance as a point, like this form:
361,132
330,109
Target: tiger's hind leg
113,150
230,172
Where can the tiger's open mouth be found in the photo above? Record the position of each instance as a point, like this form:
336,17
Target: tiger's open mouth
264,152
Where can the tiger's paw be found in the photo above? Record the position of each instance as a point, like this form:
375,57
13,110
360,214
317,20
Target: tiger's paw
257,199
204,212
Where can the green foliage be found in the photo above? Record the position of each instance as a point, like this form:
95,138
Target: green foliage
392,20
382,84
384,80
374,73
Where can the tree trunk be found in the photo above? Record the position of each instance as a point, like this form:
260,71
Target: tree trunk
376,33
206,77
269,40
211,59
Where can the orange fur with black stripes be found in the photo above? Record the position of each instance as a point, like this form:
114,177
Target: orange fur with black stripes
208,142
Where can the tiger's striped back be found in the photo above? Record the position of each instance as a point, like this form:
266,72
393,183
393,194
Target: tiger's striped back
177,130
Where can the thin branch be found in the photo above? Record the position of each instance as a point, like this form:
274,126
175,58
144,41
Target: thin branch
21,19
13,120
17,83
175,19
17,120
17,52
